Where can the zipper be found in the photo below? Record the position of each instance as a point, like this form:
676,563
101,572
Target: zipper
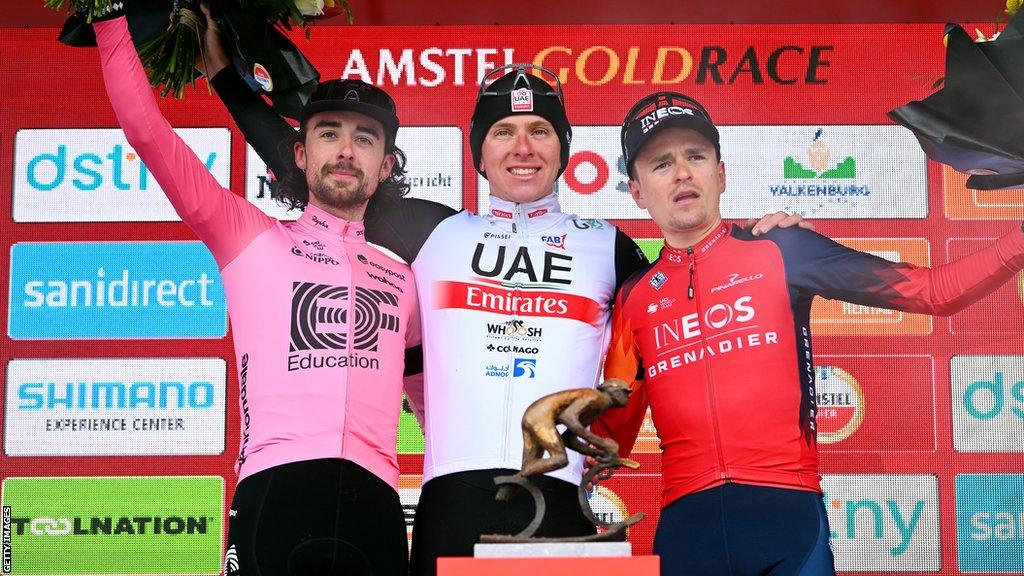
689,290
349,339
712,403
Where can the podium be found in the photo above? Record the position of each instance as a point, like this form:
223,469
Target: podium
551,559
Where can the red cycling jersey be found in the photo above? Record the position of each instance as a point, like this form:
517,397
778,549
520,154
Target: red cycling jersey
716,339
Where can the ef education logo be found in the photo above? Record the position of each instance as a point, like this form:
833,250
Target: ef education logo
321,315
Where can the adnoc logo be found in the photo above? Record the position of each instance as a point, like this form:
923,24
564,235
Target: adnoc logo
990,522
115,525
841,404
115,290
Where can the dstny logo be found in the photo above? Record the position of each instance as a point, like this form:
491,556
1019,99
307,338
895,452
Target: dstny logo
988,403
95,176
883,522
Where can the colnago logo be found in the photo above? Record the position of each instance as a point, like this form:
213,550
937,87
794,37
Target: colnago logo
93,175
988,403
115,290
321,317
726,327
512,348
883,522
109,525
514,329
990,523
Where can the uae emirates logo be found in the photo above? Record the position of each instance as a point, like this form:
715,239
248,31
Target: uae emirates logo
321,316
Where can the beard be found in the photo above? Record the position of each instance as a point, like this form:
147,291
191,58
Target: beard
340,195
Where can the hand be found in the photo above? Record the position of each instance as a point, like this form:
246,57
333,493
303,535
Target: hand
212,58
778,219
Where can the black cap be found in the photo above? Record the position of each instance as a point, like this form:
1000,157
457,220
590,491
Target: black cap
518,91
660,110
356,96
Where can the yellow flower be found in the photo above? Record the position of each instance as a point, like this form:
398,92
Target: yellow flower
1013,5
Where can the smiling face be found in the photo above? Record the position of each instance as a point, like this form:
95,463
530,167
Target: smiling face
679,180
343,156
521,157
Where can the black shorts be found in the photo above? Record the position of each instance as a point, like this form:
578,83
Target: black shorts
455,509
745,530
316,517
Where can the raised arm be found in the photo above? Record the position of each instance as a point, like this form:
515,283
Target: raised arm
818,265
224,221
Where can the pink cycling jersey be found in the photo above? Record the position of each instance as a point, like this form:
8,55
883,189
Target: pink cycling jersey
320,319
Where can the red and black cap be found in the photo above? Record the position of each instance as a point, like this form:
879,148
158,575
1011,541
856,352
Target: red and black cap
660,110
355,96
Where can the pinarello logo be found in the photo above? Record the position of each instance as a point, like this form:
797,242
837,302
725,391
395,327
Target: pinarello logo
840,402
262,77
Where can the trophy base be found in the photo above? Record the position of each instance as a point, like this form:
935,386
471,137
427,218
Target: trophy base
552,549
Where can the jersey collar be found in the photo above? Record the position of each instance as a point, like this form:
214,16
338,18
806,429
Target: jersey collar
700,250
318,222
536,214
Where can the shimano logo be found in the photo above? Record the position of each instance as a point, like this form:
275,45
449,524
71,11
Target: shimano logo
115,395
110,525
736,280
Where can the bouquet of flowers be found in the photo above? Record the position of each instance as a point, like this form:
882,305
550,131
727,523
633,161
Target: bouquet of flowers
975,123
168,35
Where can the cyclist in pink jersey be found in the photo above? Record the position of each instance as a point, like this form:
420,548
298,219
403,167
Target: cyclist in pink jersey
320,322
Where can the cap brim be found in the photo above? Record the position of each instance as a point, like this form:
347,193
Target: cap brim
692,122
388,121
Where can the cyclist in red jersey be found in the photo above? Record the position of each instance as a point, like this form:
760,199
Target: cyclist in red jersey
722,317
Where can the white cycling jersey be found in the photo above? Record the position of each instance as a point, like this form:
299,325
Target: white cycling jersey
515,305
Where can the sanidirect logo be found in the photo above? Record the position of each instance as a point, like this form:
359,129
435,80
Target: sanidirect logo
988,403
115,406
93,175
115,290
115,525
990,522
883,522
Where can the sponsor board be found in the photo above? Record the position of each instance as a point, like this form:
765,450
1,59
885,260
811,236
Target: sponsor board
963,203
998,313
433,170
990,523
647,441
824,172
835,317
651,247
115,525
115,290
94,175
815,171
988,403
115,406
409,496
410,435
884,522
861,403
